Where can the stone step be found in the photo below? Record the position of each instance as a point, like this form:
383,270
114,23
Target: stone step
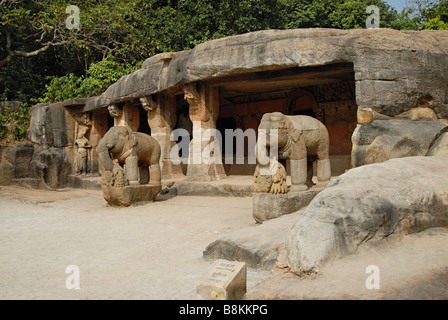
84,182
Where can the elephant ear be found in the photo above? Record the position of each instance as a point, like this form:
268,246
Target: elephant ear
295,135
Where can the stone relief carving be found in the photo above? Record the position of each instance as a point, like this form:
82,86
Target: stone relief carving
274,182
115,177
82,146
119,174
148,103
198,107
114,111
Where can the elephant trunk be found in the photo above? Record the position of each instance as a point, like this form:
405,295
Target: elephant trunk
261,154
104,156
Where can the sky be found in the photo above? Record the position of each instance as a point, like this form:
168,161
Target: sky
397,4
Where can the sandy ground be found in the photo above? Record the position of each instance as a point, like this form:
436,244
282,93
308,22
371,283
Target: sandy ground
153,251
413,267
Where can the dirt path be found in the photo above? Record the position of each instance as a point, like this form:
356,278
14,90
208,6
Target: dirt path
152,251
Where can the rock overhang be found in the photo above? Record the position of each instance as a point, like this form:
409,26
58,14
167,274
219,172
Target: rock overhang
392,69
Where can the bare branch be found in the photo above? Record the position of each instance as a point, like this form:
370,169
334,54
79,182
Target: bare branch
8,3
40,50
18,53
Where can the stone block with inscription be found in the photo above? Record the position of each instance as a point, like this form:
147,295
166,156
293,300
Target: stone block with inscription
225,280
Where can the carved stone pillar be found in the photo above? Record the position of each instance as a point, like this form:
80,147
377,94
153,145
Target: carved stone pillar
128,117
162,119
205,161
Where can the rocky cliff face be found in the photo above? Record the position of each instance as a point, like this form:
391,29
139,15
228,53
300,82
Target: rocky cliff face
397,74
394,70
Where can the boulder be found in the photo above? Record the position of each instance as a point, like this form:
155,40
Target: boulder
16,161
381,140
40,129
24,161
257,245
366,205
267,206
51,125
418,114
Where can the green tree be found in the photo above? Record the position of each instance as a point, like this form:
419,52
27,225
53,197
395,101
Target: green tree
340,14
13,125
35,44
435,16
36,47
100,75
180,25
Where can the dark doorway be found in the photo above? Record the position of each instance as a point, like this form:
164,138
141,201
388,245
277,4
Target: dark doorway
144,126
221,125
304,112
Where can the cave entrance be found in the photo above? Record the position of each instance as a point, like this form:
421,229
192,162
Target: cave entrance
323,92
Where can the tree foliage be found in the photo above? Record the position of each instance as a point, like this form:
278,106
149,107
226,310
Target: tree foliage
36,47
41,60
100,75
435,16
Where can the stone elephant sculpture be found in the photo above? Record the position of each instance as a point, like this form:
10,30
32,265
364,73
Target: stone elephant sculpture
139,152
302,140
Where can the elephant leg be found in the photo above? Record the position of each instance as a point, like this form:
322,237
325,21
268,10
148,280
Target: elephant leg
155,175
132,169
299,174
144,175
323,170
310,173
323,161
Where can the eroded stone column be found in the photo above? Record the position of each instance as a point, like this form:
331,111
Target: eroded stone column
162,119
205,161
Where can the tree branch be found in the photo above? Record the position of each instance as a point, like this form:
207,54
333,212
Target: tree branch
18,53
9,52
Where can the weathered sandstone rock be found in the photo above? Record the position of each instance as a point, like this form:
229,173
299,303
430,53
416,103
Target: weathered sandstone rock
129,195
413,74
365,205
267,206
382,140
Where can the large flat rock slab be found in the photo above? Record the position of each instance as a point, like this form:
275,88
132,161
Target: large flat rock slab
256,245
267,206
